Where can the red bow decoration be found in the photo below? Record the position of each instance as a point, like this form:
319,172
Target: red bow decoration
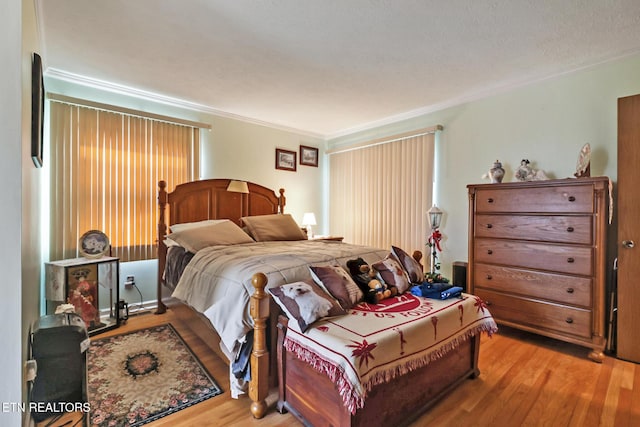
435,238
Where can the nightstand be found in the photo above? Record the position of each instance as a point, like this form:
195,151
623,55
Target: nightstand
91,285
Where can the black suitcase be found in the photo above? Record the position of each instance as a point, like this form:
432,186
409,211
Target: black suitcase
58,345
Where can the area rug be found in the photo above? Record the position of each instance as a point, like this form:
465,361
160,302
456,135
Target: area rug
138,377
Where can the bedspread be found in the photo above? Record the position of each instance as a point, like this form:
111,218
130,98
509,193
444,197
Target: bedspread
374,343
217,281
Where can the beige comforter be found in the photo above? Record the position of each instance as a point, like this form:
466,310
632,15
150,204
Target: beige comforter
217,281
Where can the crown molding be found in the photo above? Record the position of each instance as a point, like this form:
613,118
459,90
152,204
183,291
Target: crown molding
57,74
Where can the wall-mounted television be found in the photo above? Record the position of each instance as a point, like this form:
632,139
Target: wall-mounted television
37,110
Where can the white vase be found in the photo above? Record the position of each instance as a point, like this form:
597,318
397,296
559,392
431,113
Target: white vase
496,173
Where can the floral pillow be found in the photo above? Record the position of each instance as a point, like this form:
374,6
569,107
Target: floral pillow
391,272
338,283
305,302
409,264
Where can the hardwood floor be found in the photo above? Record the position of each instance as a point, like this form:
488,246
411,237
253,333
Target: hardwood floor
525,380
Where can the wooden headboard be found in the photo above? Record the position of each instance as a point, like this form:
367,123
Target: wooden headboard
209,199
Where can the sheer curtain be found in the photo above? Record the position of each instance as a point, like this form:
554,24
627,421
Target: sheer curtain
380,191
105,167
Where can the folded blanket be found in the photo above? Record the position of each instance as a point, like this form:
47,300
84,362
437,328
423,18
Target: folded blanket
374,343
437,292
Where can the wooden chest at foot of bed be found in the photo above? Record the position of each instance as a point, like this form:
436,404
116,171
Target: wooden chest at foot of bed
315,400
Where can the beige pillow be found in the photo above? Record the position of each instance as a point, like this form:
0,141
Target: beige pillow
267,228
222,233
187,225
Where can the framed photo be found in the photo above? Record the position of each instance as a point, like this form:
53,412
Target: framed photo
285,160
37,109
308,156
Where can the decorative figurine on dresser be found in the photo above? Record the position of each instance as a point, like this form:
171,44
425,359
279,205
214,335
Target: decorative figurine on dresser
537,256
496,173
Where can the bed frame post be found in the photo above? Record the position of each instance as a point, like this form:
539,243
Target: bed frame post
281,201
259,385
162,248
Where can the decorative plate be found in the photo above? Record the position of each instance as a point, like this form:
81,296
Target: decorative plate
93,244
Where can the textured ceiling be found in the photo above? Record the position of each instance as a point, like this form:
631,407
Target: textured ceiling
328,67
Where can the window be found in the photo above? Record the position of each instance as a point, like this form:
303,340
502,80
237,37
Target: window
105,167
381,190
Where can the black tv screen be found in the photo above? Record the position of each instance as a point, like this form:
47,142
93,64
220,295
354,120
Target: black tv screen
37,109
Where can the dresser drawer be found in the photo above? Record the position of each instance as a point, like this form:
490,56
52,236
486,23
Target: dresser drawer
556,258
564,289
560,199
545,228
538,314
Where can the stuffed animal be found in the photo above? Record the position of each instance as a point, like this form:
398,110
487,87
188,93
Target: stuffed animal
374,289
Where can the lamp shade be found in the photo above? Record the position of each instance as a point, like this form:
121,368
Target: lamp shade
238,187
435,216
309,218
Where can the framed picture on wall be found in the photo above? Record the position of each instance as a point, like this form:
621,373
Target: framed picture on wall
308,156
285,160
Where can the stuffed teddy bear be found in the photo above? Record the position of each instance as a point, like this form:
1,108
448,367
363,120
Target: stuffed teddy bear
366,278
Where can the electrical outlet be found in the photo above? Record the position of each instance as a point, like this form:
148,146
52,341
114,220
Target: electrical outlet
130,283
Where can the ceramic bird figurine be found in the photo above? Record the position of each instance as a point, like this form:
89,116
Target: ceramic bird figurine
583,166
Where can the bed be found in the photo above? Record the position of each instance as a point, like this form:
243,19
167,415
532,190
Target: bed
213,279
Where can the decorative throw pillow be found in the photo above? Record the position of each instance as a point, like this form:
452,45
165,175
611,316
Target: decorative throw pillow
409,264
222,233
276,227
338,283
390,272
305,302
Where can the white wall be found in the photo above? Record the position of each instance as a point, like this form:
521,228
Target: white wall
19,217
10,135
546,122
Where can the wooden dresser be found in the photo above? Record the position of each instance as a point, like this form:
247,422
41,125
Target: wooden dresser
537,256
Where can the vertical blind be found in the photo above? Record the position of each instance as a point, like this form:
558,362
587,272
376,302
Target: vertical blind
380,193
105,167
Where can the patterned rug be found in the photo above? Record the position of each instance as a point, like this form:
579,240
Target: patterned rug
138,377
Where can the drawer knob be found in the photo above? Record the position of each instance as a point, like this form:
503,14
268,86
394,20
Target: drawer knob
572,199
570,229
489,251
569,290
570,260
489,225
489,277
569,320
490,200
629,244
